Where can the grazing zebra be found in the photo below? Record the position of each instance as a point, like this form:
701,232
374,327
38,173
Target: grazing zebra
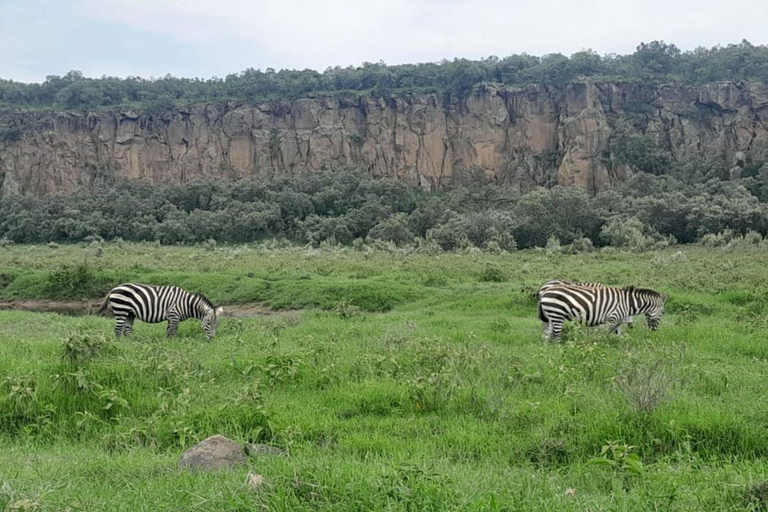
560,282
154,304
595,306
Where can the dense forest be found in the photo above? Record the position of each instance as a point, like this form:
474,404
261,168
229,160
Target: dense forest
651,62
353,208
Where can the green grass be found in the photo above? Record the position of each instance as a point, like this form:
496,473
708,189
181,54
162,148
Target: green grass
405,382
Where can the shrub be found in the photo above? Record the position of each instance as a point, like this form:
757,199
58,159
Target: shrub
580,245
492,227
553,245
79,348
394,229
318,229
452,234
209,245
564,212
646,384
630,234
76,282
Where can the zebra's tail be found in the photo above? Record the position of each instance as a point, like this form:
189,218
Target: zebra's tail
542,316
103,308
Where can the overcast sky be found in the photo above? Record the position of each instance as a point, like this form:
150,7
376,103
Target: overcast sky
205,38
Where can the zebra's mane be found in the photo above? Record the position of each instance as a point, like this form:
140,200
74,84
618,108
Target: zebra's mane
205,300
643,291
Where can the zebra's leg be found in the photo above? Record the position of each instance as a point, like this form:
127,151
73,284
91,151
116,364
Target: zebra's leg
173,325
128,327
546,331
614,326
119,325
556,329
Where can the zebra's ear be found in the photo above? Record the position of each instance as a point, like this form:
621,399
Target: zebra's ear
219,311
664,297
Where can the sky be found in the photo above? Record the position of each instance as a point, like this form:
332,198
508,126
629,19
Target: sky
207,38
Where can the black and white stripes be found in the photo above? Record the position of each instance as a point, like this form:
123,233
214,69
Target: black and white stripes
597,305
561,282
154,304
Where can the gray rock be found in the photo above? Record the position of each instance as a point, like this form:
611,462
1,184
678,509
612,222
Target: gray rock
214,452
258,450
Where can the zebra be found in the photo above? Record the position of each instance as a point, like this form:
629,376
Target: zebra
630,320
596,306
154,304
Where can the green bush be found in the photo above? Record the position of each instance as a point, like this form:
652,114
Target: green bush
78,281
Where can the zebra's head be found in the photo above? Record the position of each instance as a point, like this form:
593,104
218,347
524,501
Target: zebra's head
647,302
211,321
655,310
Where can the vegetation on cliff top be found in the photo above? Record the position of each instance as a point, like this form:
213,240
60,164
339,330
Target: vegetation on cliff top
651,63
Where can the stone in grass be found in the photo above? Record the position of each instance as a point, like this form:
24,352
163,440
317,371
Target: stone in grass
257,450
214,452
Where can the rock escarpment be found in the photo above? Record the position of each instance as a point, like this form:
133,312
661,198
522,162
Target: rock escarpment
527,137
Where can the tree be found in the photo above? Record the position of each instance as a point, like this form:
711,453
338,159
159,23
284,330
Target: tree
656,57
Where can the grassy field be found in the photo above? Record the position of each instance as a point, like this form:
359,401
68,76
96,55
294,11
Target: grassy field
394,381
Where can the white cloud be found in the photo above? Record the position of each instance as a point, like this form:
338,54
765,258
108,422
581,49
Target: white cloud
230,35
301,33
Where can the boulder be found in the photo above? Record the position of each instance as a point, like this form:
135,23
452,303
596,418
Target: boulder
215,452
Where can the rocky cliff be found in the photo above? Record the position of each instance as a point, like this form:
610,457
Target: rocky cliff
531,136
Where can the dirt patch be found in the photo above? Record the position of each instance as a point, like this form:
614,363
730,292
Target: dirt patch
84,307
250,310
71,308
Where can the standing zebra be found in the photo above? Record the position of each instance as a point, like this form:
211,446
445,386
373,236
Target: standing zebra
595,306
154,304
561,282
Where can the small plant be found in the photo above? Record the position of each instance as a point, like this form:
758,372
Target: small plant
113,402
646,384
21,392
209,245
79,348
345,309
52,245
623,463
79,381
282,368
5,242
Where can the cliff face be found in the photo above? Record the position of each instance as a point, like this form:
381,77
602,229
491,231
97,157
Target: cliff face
537,135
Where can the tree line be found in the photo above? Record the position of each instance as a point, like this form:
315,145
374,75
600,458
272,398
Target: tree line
652,62
352,207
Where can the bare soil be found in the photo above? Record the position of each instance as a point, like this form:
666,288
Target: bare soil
83,307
